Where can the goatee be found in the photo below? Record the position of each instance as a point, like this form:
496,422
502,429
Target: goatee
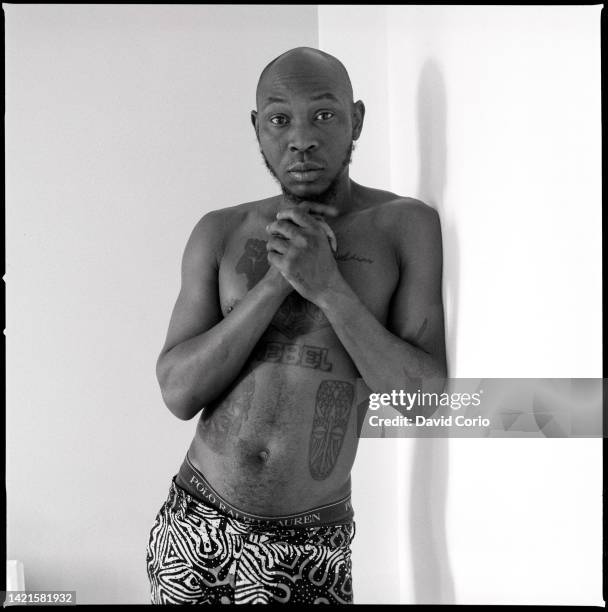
327,195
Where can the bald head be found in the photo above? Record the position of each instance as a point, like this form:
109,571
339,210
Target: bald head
304,64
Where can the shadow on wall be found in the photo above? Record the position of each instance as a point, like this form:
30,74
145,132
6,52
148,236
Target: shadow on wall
433,581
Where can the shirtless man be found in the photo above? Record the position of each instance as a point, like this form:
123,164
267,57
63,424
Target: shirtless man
276,341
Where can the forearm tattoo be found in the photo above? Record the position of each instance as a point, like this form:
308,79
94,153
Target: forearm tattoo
421,331
303,355
332,410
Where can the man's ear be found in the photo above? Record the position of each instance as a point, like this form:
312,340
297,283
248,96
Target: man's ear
254,120
358,116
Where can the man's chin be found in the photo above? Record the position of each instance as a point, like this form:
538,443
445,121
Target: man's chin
307,193
302,197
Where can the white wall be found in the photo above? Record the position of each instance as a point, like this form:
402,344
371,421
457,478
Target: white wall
493,119
124,124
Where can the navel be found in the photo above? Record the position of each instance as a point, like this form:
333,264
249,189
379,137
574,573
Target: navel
263,455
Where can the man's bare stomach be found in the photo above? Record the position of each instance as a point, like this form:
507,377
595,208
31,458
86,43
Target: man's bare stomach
284,438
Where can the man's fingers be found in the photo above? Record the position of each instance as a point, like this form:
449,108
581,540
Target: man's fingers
276,244
298,216
276,259
283,228
289,222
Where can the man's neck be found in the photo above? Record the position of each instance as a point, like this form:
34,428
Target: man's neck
341,199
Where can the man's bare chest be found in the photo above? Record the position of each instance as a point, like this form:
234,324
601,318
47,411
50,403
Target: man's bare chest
366,259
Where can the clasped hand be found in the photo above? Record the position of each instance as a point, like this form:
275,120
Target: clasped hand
300,247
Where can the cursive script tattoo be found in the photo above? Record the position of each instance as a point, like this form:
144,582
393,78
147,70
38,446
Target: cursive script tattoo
332,410
348,256
303,355
227,417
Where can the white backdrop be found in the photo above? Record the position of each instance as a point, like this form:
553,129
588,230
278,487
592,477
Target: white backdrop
125,124
492,116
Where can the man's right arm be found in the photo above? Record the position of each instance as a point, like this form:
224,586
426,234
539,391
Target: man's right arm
203,352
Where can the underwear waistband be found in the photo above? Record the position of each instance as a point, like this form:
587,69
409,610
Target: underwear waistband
192,481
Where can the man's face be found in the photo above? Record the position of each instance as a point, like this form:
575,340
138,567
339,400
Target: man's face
306,124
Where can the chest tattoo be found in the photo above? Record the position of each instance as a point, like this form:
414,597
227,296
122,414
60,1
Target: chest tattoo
296,316
253,263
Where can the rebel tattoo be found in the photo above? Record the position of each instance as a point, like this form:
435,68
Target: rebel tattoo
303,355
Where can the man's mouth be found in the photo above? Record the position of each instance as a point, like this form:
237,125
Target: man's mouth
305,172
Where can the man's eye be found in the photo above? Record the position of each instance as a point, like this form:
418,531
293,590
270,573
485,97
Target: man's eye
278,120
324,115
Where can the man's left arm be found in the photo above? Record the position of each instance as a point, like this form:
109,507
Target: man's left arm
412,345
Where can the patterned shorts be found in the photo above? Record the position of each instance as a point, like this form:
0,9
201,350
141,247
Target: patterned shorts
197,554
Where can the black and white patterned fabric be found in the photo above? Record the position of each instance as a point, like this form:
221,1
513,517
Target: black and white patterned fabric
197,554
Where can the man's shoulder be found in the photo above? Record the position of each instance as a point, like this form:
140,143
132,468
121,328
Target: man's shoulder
400,212
409,224
212,231
219,223
413,215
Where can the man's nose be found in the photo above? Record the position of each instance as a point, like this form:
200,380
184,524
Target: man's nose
302,139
